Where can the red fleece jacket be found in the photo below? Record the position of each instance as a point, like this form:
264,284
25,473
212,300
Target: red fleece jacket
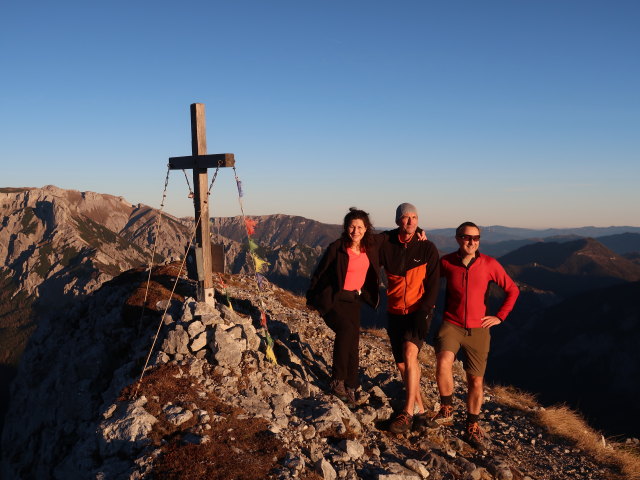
467,289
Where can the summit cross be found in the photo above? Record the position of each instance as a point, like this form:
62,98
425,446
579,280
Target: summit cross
199,162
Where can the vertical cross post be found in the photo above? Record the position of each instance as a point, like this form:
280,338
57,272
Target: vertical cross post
199,161
201,202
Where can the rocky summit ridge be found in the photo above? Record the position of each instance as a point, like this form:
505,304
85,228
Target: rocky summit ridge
212,405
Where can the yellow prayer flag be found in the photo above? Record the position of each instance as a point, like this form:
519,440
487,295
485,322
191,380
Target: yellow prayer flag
259,263
270,355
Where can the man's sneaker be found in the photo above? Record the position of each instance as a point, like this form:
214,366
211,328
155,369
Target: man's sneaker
401,423
443,417
474,436
337,388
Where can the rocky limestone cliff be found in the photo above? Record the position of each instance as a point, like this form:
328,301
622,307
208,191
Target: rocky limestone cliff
57,242
213,406
58,245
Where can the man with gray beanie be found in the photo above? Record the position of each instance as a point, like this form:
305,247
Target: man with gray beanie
413,275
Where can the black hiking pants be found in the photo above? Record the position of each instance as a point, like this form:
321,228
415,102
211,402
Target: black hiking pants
344,320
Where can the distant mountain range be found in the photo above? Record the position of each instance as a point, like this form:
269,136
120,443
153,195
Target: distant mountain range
57,245
496,240
502,242
498,233
571,267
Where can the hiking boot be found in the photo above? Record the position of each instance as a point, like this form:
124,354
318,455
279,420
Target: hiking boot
474,436
351,400
337,388
420,421
443,417
401,423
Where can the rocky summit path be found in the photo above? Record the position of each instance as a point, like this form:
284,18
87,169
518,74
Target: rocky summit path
212,405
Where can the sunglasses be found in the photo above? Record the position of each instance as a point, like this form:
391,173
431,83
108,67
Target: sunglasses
466,238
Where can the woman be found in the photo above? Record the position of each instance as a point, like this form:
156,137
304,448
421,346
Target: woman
346,276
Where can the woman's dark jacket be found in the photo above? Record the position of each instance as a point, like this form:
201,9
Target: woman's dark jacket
328,278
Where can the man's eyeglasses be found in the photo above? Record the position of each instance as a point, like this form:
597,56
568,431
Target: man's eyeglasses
466,238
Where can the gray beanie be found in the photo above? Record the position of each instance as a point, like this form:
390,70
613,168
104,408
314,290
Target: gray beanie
404,209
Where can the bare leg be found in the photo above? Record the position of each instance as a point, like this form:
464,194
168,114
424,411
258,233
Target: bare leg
475,394
444,372
412,378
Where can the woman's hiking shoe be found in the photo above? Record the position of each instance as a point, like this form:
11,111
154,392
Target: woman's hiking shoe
401,423
338,389
443,417
474,436
351,399
420,421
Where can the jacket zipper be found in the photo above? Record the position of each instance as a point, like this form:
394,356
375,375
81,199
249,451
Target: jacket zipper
466,294
406,283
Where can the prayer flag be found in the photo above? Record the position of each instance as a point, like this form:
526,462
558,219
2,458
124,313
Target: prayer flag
269,350
260,263
250,224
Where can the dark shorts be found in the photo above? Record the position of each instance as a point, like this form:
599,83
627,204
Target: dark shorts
473,341
406,328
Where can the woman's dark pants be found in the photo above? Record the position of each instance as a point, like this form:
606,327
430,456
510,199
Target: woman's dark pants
344,320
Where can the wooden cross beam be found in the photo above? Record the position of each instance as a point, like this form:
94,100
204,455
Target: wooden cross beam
199,161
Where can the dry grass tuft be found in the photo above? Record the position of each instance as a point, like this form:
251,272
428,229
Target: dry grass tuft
515,398
144,298
564,422
290,300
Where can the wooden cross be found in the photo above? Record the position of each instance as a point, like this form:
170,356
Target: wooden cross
199,161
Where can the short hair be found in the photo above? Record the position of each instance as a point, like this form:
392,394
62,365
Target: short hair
356,214
465,225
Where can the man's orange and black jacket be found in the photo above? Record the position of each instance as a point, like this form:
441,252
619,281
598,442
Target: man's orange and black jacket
413,273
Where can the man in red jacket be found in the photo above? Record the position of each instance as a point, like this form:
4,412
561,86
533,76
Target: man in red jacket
466,325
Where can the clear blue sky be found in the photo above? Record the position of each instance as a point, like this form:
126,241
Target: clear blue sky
517,113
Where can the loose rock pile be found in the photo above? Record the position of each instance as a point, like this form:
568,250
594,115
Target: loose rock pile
81,413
